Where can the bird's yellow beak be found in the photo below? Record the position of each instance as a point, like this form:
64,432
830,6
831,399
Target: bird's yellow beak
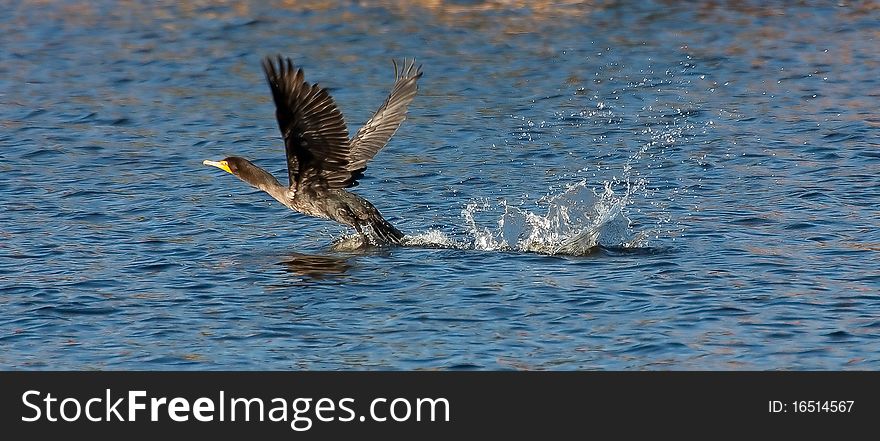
222,165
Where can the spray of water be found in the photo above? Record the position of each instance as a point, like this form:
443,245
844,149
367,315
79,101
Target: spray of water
573,222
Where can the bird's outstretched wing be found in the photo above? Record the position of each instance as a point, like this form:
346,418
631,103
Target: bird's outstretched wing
315,136
381,127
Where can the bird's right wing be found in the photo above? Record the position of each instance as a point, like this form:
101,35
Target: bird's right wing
315,136
381,127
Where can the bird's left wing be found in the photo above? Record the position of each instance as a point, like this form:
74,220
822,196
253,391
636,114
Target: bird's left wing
314,131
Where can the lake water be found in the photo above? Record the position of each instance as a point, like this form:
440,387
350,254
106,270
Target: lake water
640,185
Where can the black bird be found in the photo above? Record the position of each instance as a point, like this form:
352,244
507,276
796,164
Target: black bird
321,160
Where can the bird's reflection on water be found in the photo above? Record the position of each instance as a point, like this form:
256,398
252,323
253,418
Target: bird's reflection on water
317,267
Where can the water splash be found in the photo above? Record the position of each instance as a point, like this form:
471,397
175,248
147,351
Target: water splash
574,222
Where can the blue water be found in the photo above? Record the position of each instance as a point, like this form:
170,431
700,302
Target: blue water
639,185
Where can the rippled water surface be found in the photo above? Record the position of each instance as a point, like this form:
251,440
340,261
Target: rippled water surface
630,185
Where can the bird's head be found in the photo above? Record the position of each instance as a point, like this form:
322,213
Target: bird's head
231,164
246,171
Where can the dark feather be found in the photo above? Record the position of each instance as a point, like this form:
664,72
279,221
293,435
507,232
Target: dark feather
315,136
314,131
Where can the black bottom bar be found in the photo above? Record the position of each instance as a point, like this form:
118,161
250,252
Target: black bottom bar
432,405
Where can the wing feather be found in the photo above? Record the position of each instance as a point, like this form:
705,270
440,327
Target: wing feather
316,141
314,131
379,129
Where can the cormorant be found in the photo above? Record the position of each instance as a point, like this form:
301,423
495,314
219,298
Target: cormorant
321,159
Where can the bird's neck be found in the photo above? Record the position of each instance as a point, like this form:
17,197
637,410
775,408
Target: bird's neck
261,179
279,192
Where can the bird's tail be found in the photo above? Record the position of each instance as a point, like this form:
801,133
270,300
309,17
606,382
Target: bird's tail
384,231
